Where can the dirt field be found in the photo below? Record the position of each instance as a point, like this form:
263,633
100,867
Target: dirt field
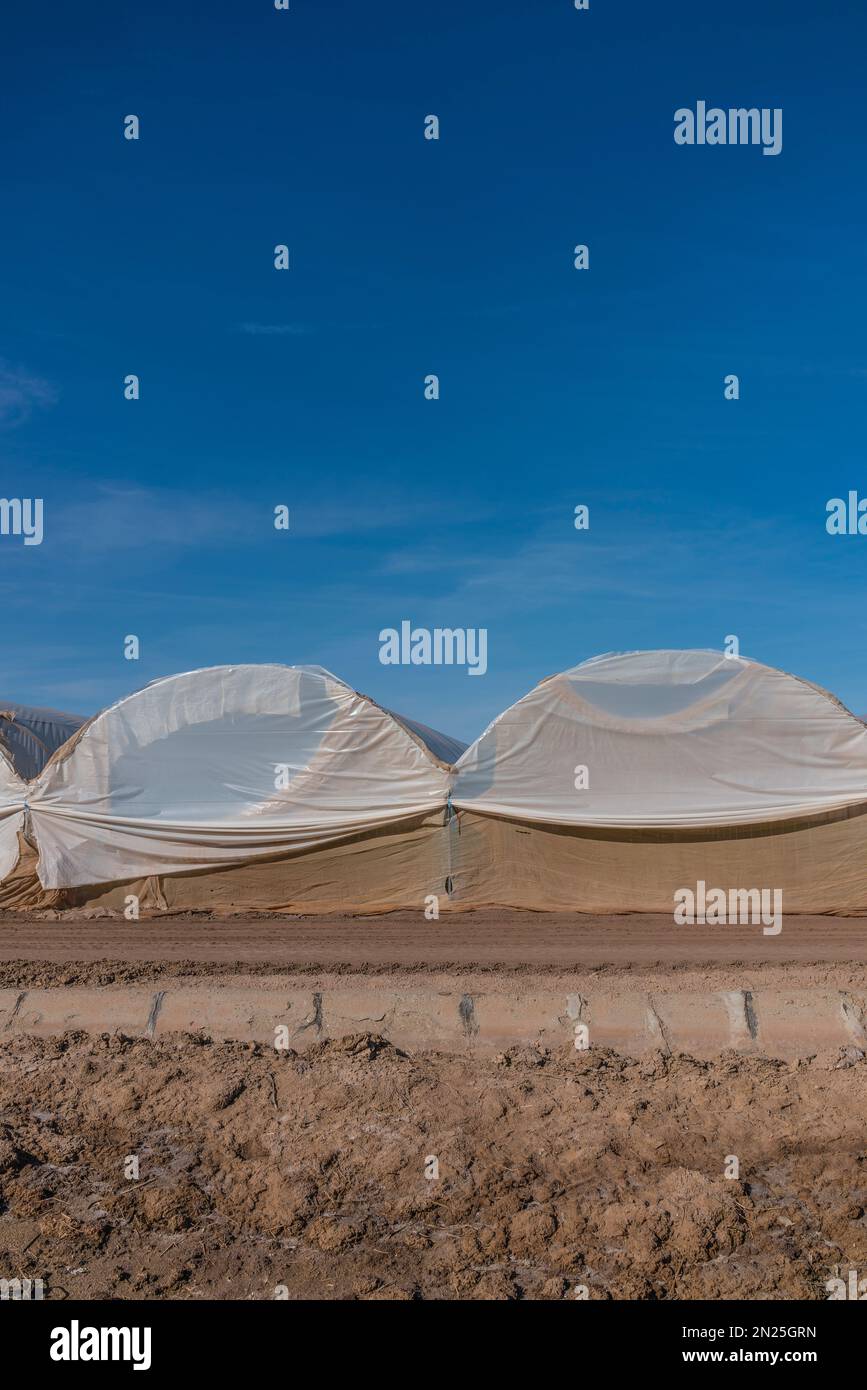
306,1170
487,940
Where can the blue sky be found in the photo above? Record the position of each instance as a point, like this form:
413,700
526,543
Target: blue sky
409,256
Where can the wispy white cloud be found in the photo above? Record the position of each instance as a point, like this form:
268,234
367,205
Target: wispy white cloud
21,393
117,517
708,558
112,516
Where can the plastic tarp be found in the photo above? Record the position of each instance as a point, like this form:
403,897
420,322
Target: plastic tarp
224,766
29,735
12,793
668,739
447,749
818,863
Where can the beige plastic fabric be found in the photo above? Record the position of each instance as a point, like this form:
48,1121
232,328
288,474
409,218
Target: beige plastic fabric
379,871
20,889
820,865
227,766
668,739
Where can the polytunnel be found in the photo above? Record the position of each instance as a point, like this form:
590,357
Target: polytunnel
613,784
271,787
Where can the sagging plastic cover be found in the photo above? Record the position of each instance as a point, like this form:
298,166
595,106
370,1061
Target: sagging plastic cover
666,738
29,735
223,766
443,746
12,793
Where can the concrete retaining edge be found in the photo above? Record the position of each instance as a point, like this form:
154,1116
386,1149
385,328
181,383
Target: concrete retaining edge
773,1022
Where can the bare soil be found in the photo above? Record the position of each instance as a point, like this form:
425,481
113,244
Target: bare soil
260,1169
263,1171
504,941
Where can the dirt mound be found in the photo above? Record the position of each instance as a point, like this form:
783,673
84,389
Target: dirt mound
353,1171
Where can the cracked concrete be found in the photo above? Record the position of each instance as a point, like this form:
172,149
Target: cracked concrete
442,1014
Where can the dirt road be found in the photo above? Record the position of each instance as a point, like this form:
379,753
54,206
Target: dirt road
486,940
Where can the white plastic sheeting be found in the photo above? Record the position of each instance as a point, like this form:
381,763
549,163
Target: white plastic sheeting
669,738
29,735
12,792
224,766
236,764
